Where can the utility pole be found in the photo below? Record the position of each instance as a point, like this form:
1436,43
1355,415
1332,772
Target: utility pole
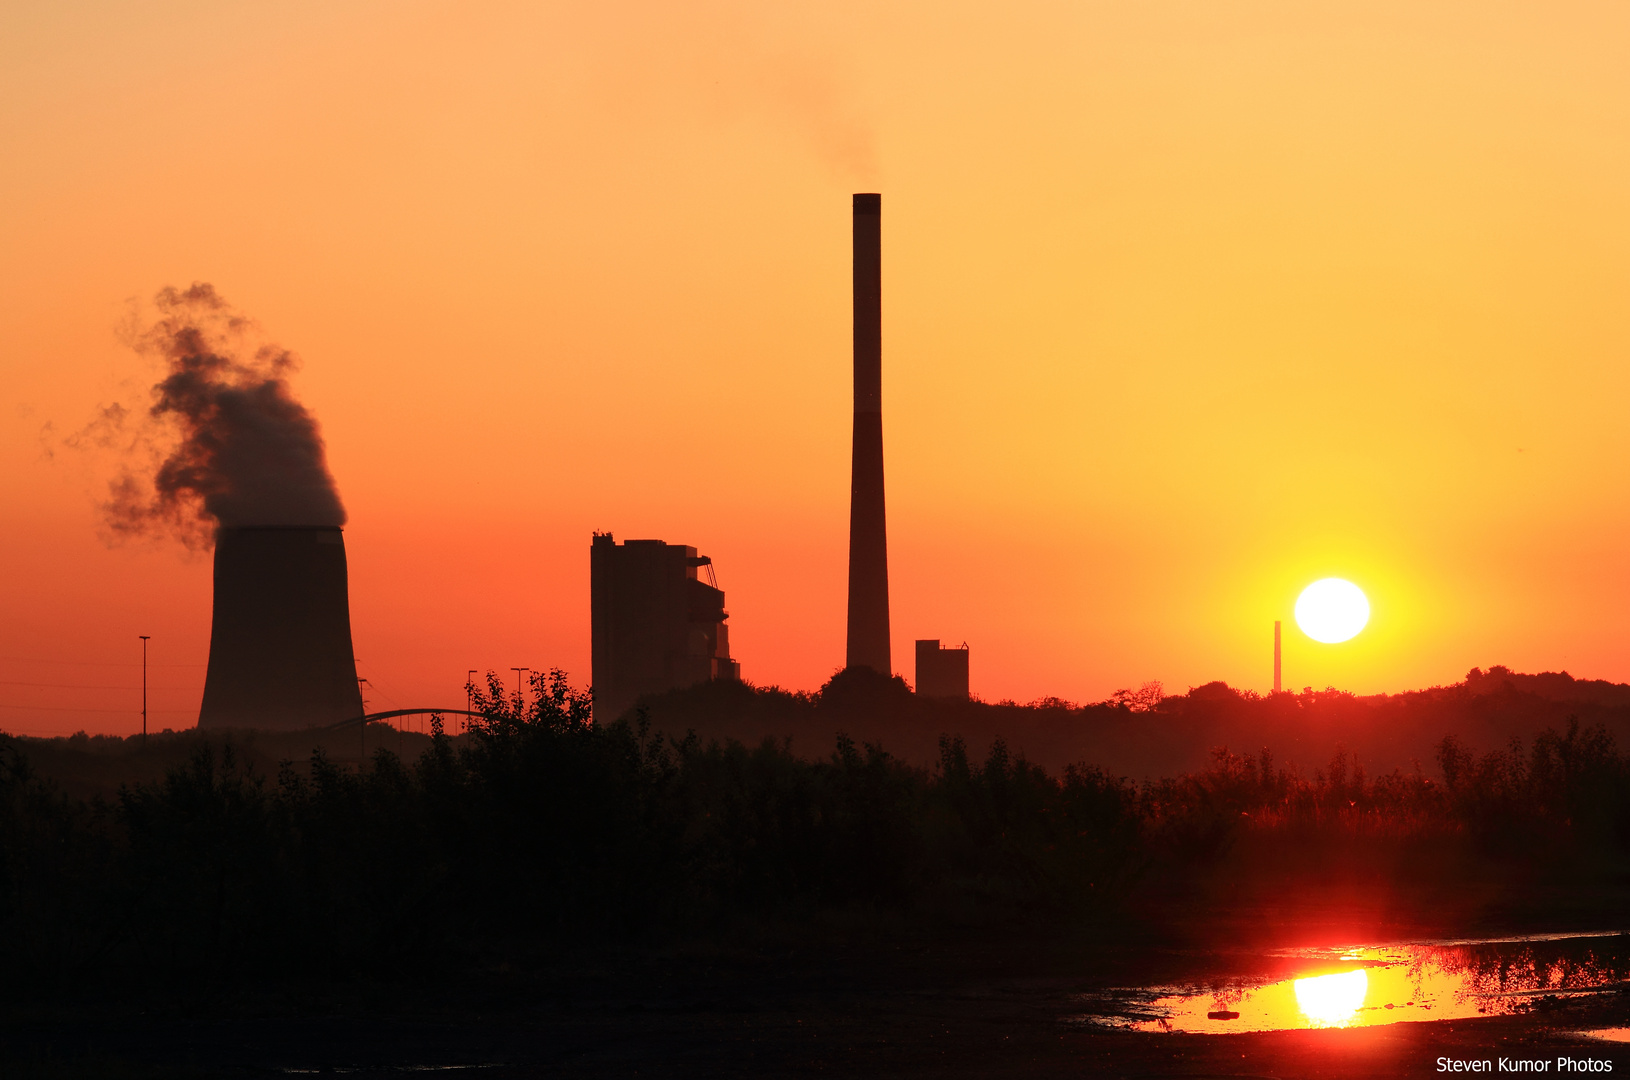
469,698
517,671
1277,681
144,638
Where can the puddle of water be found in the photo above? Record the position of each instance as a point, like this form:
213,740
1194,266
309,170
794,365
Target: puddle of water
1391,984
1609,1034
390,1068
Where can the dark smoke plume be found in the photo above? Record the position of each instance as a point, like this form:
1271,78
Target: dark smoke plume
231,445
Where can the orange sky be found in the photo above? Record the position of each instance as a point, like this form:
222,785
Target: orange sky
1185,305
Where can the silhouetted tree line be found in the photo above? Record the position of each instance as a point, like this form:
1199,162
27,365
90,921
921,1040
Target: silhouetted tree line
1147,732
545,831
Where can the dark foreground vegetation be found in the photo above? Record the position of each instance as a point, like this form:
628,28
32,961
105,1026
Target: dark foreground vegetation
540,833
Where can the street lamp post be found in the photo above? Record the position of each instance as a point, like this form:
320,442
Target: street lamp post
362,763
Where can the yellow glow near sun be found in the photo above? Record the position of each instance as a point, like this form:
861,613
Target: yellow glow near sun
1332,610
1332,1000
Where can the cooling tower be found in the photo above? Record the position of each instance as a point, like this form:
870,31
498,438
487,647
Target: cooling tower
280,644
868,536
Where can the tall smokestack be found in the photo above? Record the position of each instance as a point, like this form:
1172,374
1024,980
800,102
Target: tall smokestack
280,644
868,535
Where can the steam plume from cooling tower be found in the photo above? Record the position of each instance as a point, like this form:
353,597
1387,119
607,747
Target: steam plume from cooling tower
232,447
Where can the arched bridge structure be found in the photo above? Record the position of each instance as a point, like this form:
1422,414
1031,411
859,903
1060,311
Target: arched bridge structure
392,714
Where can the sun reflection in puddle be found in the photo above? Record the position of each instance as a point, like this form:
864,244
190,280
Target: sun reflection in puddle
1381,985
1331,1000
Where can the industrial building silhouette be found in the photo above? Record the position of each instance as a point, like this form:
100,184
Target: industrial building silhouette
942,673
655,625
280,637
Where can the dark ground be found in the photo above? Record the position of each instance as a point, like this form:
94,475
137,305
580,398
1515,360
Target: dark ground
959,1009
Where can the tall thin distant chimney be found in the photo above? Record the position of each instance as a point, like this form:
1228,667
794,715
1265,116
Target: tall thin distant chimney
868,534
1276,680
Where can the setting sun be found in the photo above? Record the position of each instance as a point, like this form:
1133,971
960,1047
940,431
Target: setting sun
1332,610
1331,1000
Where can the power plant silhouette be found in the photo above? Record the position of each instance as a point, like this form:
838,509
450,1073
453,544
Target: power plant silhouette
280,640
657,628
280,643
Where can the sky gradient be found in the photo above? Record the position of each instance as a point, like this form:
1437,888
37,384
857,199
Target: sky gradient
1185,305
